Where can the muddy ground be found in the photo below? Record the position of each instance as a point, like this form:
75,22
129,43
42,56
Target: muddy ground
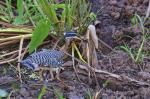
115,22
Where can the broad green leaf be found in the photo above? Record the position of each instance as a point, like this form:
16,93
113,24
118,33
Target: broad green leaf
39,34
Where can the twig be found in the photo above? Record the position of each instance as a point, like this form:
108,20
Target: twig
147,13
102,42
56,43
114,78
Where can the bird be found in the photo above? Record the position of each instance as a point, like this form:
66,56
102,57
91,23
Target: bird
50,60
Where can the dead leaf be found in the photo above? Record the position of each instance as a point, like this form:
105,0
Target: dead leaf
92,33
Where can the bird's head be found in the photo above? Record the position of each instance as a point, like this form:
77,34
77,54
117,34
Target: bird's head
70,37
30,65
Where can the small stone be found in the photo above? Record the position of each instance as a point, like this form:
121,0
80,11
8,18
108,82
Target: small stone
31,98
144,75
18,97
73,95
113,2
105,96
24,92
115,15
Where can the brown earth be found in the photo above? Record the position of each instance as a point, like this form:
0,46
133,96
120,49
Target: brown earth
115,22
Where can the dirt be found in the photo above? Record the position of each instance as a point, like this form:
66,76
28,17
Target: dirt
115,22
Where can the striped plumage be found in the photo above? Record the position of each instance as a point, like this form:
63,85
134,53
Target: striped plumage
51,58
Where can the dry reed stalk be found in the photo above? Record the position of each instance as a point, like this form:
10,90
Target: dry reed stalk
8,34
88,53
8,61
13,52
6,43
73,61
19,57
16,37
147,12
20,30
5,24
11,57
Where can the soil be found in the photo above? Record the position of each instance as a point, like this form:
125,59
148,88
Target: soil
115,22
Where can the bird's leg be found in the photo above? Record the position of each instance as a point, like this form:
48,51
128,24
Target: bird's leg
41,74
52,75
57,73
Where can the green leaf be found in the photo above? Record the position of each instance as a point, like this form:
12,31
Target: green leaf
42,92
58,94
57,6
49,11
134,21
93,16
18,20
20,7
39,34
9,8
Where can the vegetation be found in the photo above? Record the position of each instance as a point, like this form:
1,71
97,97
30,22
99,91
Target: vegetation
137,56
104,60
65,20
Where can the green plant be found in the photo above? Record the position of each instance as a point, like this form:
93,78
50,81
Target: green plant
26,12
19,18
127,49
75,13
88,94
42,92
6,11
137,56
58,94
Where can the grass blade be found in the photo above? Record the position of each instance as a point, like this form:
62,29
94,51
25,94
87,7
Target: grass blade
42,92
